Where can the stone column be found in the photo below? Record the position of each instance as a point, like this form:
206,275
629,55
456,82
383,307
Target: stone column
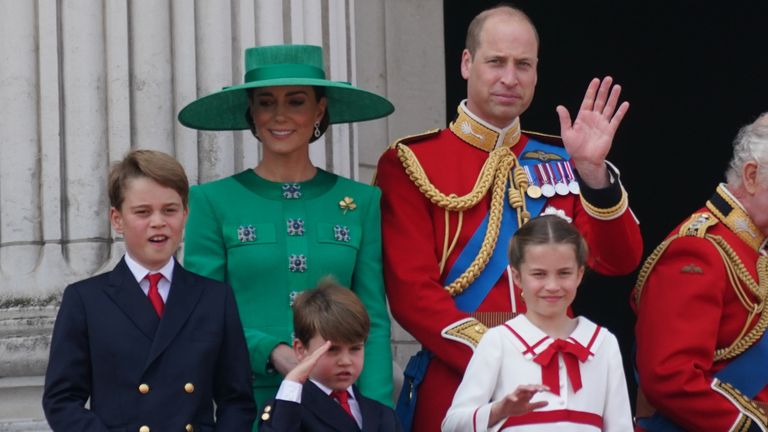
82,82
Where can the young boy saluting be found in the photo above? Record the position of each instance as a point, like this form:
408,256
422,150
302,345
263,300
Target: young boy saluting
331,326
152,345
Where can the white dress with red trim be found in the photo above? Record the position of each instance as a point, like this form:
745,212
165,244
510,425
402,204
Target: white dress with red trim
584,373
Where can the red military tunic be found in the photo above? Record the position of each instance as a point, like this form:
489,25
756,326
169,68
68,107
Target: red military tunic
417,232
690,310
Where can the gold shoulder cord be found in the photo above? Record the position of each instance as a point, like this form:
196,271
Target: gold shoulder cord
738,276
500,165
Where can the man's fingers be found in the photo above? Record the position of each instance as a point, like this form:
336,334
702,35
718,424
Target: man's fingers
565,118
589,97
602,94
613,99
619,116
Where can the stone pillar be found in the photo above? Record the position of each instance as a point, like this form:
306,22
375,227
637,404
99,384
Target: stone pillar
83,82
399,53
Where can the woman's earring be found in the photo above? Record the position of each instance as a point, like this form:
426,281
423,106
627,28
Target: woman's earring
317,129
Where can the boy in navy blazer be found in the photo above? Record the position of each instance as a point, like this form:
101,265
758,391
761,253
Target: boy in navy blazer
153,347
331,326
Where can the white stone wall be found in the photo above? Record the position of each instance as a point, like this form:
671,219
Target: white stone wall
84,81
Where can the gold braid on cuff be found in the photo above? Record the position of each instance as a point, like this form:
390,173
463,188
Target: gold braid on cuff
607,213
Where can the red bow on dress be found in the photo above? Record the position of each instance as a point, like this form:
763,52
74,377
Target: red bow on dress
573,353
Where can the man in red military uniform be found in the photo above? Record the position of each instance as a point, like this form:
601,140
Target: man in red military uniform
700,302
451,199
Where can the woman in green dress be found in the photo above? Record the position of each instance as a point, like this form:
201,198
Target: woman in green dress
277,229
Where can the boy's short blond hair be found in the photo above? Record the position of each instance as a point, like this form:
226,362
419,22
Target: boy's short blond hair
158,166
332,311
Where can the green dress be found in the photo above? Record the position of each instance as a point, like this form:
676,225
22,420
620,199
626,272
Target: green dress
270,241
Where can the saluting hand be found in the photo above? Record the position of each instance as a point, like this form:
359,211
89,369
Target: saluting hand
589,138
303,370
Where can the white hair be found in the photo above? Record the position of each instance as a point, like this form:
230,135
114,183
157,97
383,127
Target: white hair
751,144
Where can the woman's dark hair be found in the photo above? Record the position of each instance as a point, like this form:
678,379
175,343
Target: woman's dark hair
547,229
324,122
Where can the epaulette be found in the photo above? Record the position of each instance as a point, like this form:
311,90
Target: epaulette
697,225
410,139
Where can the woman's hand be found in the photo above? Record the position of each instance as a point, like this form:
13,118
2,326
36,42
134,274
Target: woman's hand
283,359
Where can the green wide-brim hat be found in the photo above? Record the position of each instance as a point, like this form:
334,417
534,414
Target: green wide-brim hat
283,65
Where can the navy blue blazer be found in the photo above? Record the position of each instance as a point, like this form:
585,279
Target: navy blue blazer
319,412
139,370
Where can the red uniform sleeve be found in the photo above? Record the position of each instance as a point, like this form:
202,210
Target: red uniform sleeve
411,271
615,246
687,310
615,243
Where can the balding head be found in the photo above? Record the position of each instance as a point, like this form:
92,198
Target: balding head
476,25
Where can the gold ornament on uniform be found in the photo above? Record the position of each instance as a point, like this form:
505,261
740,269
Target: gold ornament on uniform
739,277
606,213
500,167
468,331
347,204
692,268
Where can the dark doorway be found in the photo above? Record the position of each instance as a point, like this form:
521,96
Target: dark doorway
693,73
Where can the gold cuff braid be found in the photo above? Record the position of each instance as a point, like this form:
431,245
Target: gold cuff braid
468,331
607,213
749,409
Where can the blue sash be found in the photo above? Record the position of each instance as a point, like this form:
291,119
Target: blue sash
746,373
471,298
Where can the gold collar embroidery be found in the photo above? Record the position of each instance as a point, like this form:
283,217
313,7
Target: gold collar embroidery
481,134
728,209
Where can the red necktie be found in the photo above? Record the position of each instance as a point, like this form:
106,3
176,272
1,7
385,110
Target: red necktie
572,353
343,398
154,294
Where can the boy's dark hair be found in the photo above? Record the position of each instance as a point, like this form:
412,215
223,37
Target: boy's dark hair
332,311
158,166
547,229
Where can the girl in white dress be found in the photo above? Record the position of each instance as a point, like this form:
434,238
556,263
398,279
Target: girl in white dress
544,371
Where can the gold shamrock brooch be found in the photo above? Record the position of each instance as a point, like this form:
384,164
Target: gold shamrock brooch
347,204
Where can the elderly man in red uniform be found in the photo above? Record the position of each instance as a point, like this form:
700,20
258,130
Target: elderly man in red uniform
451,200
701,312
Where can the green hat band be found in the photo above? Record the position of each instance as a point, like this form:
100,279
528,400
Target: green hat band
285,70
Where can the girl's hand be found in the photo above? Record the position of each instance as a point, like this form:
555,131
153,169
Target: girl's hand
517,403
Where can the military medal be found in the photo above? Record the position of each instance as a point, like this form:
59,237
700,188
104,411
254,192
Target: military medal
560,187
573,185
533,191
546,187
